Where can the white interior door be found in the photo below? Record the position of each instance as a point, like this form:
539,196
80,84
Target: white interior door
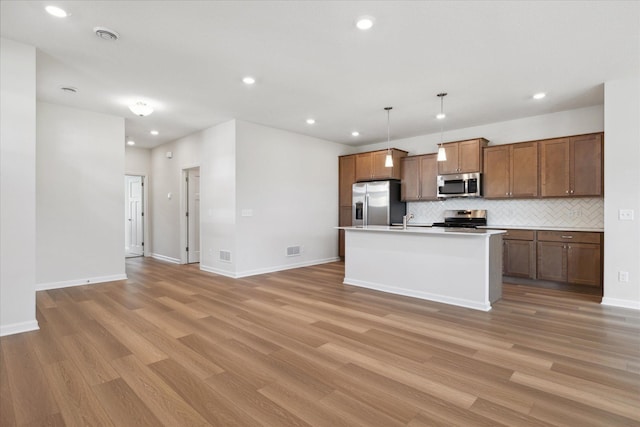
193,215
133,217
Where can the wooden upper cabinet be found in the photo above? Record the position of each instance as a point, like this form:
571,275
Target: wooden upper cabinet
410,185
364,166
511,170
347,176
571,166
463,156
451,164
497,175
586,176
554,167
524,170
370,166
419,175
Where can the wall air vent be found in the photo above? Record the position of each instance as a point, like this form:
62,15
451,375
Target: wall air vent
225,256
294,250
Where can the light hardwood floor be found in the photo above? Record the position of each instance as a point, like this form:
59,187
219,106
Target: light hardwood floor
175,346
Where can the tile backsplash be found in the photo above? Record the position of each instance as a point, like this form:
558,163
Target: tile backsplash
561,212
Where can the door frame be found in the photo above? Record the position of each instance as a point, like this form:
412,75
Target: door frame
146,237
184,203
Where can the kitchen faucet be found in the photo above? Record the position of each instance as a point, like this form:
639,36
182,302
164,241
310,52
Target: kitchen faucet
405,220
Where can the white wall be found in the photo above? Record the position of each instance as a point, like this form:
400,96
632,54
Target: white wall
622,191
218,198
17,187
165,180
79,197
137,161
572,122
290,184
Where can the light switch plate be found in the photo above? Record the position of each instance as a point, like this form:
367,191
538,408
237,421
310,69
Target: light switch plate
625,214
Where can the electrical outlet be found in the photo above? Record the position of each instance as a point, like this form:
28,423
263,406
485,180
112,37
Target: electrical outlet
625,214
623,276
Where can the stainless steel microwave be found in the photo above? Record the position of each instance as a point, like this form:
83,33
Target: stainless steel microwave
460,185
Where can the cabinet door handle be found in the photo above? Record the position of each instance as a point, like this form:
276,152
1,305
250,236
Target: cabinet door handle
567,192
567,237
571,191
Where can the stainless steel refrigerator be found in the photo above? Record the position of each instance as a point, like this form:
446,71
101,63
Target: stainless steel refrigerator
377,203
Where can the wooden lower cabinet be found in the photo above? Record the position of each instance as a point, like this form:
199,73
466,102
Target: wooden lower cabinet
557,256
344,220
570,257
519,254
552,261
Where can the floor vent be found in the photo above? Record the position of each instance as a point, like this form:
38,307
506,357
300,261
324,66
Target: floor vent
225,256
294,250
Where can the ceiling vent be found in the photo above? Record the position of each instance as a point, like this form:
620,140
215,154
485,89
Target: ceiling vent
106,34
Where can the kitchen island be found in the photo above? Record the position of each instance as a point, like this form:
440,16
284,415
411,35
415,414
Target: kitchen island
455,266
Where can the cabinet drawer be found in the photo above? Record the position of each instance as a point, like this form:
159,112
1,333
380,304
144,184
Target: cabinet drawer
519,235
569,236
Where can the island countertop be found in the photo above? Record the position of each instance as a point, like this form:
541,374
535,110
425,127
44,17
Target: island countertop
427,230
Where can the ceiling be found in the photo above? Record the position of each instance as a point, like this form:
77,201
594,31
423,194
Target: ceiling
187,60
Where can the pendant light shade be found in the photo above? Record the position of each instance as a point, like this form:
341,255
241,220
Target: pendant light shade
442,153
388,160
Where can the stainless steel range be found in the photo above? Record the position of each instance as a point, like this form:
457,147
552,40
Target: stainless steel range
463,219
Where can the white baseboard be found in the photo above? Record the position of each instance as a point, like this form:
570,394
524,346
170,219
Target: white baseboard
18,328
266,270
418,294
79,282
165,258
623,303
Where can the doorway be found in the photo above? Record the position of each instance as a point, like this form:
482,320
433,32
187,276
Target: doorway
134,216
192,215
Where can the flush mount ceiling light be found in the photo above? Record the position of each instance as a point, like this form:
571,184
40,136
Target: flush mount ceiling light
248,80
388,160
106,34
355,133
130,141
539,95
442,153
141,109
56,11
364,23
154,132
311,121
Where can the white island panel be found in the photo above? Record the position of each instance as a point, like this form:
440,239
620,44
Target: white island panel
460,268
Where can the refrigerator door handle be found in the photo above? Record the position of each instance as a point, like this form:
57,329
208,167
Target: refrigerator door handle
366,210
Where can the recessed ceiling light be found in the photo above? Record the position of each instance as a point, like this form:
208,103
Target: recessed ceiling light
355,133
248,80
441,116
154,132
106,34
69,89
131,142
539,95
364,23
56,11
311,121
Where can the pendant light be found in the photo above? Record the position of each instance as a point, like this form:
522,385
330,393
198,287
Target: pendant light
442,153
388,161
